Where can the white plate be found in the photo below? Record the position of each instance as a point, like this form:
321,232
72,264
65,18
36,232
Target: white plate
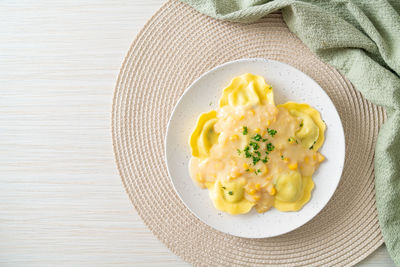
289,84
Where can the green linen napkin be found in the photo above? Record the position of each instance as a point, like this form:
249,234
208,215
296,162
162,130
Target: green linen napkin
362,40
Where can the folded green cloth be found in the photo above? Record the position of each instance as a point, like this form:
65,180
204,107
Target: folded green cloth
362,40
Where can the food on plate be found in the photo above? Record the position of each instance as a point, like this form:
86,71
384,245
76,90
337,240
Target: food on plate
250,152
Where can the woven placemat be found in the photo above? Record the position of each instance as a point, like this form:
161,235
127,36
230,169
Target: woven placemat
174,48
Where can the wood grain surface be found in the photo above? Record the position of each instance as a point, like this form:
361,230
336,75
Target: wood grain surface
61,198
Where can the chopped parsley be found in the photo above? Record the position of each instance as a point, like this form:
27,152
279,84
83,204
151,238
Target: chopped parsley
301,124
245,130
253,150
311,147
224,187
271,132
247,152
254,145
255,160
281,157
230,193
270,147
257,137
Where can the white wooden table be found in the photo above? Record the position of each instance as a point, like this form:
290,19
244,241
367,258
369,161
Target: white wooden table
61,199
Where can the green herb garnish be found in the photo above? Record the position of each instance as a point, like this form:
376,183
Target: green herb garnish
245,130
230,193
265,160
257,153
264,139
311,147
257,137
238,151
271,132
254,145
282,157
246,152
301,124
223,187
255,160
270,147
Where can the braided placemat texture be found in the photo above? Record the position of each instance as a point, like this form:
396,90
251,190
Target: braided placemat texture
174,48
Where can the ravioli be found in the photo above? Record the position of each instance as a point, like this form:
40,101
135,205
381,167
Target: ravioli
312,128
293,191
229,197
204,136
247,89
251,153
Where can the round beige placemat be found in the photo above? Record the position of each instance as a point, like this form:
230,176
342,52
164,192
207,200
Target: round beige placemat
174,48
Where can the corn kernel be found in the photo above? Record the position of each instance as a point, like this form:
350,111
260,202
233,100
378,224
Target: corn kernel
293,166
242,181
279,146
321,158
256,197
252,112
235,173
241,117
234,137
306,159
268,122
286,160
199,178
272,191
230,178
257,186
265,170
245,166
251,191
257,130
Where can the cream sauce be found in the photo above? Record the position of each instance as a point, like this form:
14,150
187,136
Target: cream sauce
226,164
